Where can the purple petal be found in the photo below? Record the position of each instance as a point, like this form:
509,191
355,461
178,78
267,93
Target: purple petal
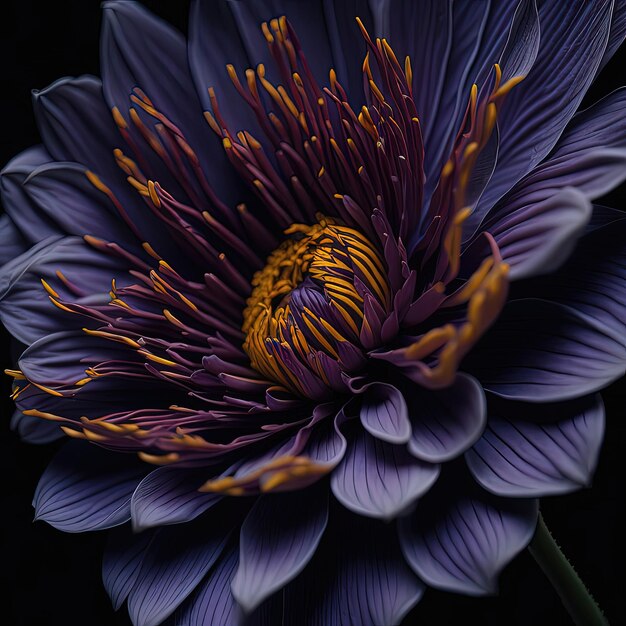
617,33
72,205
176,561
25,308
469,21
62,358
214,42
535,222
603,215
459,538
522,47
594,281
328,35
169,496
77,125
278,539
384,413
12,244
536,235
573,40
34,429
121,562
87,488
378,479
212,602
446,423
139,49
523,458
424,32
31,226
551,353
358,577
591,153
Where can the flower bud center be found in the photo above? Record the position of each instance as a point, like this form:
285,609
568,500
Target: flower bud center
307,304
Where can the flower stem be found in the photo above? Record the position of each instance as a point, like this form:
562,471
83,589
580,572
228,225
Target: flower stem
575,597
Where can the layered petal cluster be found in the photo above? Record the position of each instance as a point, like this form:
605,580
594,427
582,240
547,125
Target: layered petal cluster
320,290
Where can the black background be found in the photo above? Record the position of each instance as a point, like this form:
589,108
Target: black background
49,577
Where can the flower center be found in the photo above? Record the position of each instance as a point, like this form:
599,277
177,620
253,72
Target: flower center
306,321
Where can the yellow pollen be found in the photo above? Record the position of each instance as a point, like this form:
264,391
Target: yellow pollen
334,258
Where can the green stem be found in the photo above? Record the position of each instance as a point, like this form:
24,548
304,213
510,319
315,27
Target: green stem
575,597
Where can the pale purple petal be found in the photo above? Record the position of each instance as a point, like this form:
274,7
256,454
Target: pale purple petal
537,234
460,539
168,495
25,307
521,456
87,488
176,561
552,353
34,429
445,423
359,577
379,479
278,538
574,36
384,413
212,602
123,554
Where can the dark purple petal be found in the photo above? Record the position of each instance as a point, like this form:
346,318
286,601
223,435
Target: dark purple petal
137,49
459,538
537,234
34,429
424,32
445,423
87,488
169,495
594,281
12,244
573,40
539,351
214,42
278,538
25,307
384,413
122,560
379,479
522,46
468,25
524,457
495,37
76,125
617,33
72,205
603,215
212,602
176,561
590,156
357,577
24,214
61,358
328,35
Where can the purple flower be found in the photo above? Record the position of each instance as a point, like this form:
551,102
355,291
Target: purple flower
321,339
